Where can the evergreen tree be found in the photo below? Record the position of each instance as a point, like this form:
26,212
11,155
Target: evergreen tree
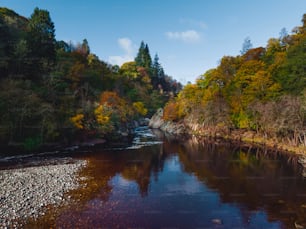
143,58
140,55
41,41
147,58
157,69
84,48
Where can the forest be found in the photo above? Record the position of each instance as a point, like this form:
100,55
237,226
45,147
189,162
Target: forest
261,92
58,91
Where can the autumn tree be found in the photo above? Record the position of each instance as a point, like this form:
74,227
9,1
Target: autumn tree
129,69
120,109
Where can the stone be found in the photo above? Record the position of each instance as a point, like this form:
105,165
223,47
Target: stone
28,190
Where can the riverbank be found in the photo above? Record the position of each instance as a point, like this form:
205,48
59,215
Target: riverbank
27,192
238,136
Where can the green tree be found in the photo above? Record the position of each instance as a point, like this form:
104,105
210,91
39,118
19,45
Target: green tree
41,41
157,69
143,58
292,73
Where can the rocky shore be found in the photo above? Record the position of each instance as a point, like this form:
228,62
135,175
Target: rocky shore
25,192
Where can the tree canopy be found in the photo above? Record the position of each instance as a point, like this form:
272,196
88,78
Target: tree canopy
57,91
262,90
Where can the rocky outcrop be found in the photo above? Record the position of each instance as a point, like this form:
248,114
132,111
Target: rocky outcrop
157,122
157,119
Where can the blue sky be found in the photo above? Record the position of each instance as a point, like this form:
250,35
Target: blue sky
190,36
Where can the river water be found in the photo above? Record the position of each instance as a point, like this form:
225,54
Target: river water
170,183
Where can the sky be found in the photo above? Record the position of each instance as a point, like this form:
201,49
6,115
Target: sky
189,36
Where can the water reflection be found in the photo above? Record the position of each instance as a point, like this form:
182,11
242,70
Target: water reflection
186,184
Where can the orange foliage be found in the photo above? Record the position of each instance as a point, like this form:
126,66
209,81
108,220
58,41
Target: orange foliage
117,104
171,111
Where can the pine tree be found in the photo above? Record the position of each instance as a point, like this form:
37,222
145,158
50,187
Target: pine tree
157,69
143,58
147,58
139,59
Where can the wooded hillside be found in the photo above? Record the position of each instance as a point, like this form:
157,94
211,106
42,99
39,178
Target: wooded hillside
263,90
56,90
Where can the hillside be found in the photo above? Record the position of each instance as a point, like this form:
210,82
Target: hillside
259,95
57,91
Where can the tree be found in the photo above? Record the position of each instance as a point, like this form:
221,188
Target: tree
140,108
119,107
83,48
247,45
157,69
283,37
291,74
143,58
41,41
147,57
129,69
19,61
4,47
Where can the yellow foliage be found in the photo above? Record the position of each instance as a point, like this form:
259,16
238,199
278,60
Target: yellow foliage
140,108
102,116
77,121
117,104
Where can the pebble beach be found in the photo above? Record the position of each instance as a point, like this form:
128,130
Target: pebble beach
25,192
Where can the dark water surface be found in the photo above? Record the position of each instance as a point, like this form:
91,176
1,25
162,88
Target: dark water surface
186,184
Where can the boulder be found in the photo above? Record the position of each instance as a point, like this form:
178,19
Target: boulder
157,119
157,122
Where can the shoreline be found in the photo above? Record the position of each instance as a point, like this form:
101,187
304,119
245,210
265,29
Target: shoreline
27,192
255,141
236,136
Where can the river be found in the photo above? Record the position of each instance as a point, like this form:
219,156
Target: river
160,182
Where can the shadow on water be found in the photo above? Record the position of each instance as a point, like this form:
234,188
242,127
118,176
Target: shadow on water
185,184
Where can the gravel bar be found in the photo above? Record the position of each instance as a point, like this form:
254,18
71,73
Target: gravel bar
24,192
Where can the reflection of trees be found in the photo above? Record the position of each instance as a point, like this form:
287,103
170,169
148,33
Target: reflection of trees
251,179
139,166
254,178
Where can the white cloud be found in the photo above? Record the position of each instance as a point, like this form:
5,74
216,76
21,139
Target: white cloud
127,45
189,36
